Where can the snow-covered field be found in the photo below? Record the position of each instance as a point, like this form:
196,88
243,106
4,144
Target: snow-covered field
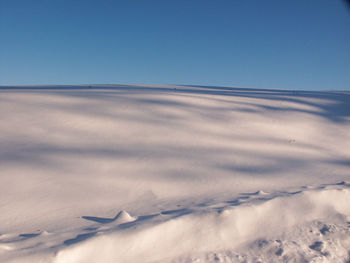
173,174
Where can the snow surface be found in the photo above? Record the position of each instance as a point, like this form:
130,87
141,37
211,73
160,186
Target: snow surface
121,173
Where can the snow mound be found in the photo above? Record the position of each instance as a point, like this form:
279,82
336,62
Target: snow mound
123,217
308,225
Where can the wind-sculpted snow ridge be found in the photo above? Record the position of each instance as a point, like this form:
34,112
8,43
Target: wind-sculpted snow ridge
308,225
260,227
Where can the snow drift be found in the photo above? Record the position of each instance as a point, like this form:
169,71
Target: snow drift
173,174
227,227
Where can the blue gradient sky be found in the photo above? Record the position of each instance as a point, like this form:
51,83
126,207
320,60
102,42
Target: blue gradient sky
296,44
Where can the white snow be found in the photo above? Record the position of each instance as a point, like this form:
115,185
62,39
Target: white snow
115,173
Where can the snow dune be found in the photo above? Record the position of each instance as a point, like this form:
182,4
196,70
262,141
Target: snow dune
114,173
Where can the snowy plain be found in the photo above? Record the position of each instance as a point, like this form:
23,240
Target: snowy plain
133,173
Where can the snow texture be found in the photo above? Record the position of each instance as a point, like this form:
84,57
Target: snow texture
121,173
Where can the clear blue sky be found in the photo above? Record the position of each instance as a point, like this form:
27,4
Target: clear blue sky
295,44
